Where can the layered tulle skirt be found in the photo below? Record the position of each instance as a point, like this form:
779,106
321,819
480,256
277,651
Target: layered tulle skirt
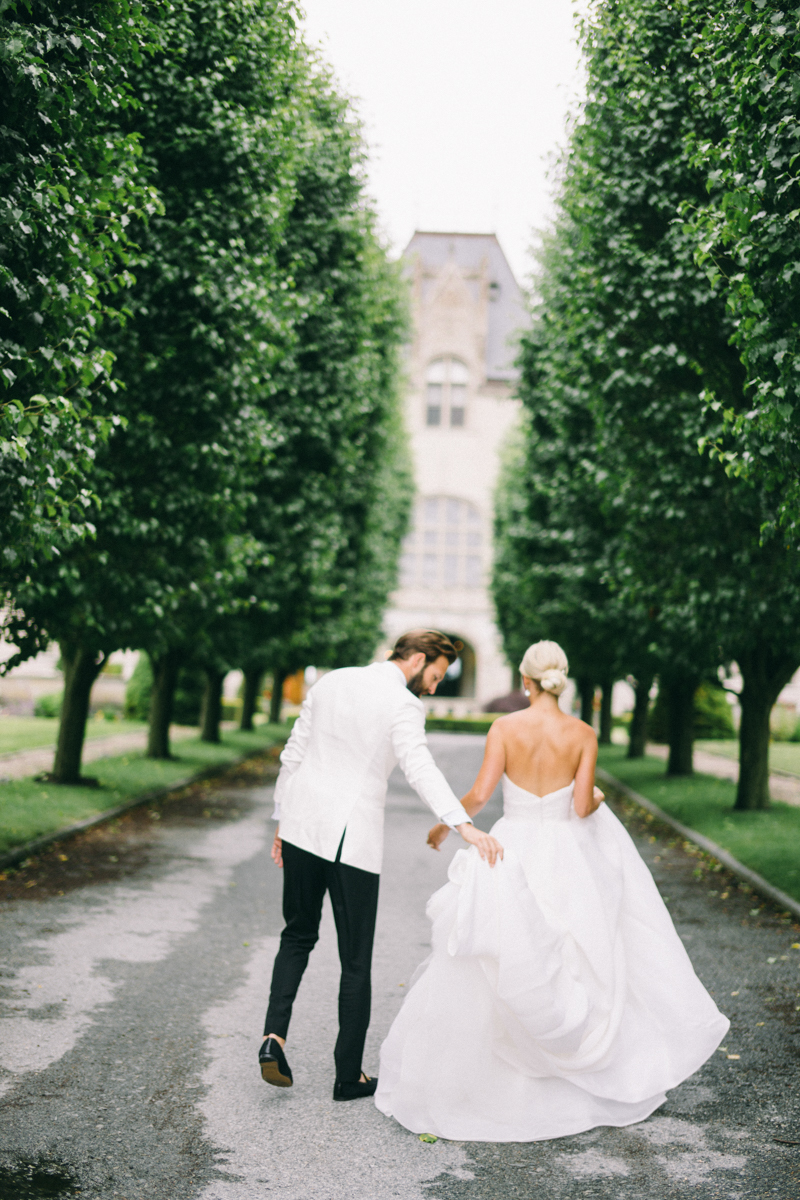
557,996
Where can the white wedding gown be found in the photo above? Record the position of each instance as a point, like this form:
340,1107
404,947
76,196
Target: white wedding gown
558,995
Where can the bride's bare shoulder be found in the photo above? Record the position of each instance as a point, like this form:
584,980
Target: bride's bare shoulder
581,730
512,720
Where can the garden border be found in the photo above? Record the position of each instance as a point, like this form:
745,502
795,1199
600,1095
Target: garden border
756,881
12,857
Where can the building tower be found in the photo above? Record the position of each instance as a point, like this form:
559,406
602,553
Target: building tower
467,310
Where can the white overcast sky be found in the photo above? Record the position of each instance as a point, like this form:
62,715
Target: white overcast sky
463,102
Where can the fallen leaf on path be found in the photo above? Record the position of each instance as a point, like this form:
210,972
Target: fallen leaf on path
427,1137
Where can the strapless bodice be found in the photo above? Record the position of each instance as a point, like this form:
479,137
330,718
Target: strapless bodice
519,805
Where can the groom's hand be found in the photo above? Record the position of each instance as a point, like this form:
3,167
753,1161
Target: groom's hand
437,836
277,849
488,847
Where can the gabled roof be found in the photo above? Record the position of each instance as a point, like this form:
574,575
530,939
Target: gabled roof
507,314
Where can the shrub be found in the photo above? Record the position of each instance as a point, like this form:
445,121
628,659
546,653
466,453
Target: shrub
460,724
784,724
189,696
137,693
712,715
107,712
48,706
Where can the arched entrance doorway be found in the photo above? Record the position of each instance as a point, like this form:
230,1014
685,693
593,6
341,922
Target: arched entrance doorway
460,677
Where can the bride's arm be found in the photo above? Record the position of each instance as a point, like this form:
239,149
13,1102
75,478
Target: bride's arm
487,779
492,767
587,798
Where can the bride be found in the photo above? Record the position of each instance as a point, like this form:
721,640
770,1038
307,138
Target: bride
558,995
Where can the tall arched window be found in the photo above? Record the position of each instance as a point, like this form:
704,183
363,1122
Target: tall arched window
443,549
446,393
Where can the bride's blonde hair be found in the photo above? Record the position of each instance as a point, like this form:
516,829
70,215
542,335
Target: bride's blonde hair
546,663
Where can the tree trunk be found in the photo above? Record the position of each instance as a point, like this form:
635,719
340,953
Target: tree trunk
605,713
638,726
165,680
81,668
252,686
586,693
212,705
680,691
764,675
278,676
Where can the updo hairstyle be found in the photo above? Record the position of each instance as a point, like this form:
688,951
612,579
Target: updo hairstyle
546,663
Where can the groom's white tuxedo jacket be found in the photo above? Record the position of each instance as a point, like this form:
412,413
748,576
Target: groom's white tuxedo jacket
355,726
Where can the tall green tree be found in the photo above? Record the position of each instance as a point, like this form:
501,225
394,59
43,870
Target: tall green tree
555,540
749,230
71,184
330,507
633,331
661,333
219,117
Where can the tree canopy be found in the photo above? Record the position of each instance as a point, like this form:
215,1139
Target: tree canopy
241,499
71,183
648,545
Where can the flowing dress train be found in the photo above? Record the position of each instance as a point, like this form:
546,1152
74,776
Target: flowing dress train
557,996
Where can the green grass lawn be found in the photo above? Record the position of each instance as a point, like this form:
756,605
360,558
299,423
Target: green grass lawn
767,842
29,810
783,756
26,733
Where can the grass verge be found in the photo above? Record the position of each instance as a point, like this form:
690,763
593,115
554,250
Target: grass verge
783,756
767,842
29,733
30,810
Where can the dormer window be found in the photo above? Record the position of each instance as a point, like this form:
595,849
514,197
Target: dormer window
446,393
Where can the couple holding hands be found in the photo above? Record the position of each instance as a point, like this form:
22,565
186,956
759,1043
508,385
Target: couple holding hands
558,996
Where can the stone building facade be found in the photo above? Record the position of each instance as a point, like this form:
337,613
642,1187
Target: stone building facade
467,311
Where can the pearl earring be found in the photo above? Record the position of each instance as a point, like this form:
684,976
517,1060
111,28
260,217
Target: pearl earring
525,690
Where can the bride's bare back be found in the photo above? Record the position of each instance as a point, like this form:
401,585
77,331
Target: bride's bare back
541,749
544,747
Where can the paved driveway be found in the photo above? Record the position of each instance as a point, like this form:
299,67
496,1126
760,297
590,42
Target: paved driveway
134,1001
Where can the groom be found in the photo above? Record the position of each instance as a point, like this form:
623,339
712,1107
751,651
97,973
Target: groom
355,726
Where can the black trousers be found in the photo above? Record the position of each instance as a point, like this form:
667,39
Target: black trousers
354,898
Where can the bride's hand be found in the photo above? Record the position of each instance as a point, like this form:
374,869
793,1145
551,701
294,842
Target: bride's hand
488,847
437,836
598,797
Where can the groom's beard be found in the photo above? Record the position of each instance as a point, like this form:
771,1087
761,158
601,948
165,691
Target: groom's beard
415,684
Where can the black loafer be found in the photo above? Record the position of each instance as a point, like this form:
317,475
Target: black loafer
354,1091
274,1067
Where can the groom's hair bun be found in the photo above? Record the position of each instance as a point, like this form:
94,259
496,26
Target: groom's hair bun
429,642
546,664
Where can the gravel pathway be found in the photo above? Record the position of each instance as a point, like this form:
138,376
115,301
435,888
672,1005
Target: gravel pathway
136,974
